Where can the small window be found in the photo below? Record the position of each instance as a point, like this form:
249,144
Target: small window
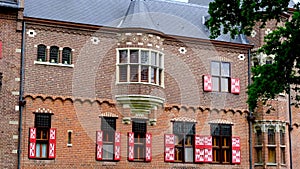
220,76
271,154
269,60
67,56
41,53
40,145
54,54
108,126
184,141
221,142
139,128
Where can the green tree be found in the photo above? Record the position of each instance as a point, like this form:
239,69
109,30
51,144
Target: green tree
236,17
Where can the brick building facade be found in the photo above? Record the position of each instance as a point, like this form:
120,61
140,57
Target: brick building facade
137,84
10,54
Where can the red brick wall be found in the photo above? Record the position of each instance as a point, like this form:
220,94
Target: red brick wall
10,67
71,94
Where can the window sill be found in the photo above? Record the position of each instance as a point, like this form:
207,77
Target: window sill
271,164
258,146
145,83
258,164
69,145
269,145
283,146
52,64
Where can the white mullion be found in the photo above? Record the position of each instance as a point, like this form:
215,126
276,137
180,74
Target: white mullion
117,67
140,67
128,65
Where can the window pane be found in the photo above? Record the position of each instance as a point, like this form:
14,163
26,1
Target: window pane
144,57
44,150
144,73
153,58
54,54
123,73
134,56
108,152
271,155
215,130
259,155
134,75
188,154
123,56
225,130
282,152
42,120
38,150
215,68
153,75
139,127
226,155
160,61
41,53
282,138
215,84
271,136
66,56
216,155
225,69
258,137
224,84
160,77
178,153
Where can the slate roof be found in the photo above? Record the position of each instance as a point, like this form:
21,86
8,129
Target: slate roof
171,18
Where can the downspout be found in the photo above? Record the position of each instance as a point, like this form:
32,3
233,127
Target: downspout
22,102
290,127
250,117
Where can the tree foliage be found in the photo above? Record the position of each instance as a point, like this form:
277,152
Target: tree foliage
239,17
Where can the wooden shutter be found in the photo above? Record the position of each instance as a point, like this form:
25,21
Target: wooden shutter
52,143
99,142
32,142
169,147
148,146
117,146
207,84
208,149
199,148
203,149
236,150
0,49
235,86
130,146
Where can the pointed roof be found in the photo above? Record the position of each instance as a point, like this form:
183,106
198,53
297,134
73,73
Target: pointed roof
137,15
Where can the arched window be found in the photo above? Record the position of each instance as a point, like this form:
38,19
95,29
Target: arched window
54,54
41,53
67,56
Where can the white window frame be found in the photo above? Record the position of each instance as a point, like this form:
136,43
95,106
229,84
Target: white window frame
159,65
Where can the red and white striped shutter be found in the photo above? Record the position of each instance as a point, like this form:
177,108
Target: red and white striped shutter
169,147
130,146
236,150
235,86
32,142
148,146
199,148
207,83
52,143
0,49
208,149
117,146
99,142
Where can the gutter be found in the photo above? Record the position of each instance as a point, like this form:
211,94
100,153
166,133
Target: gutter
22,102
290,128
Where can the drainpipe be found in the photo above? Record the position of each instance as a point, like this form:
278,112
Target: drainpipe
290,127
250,117
22,102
